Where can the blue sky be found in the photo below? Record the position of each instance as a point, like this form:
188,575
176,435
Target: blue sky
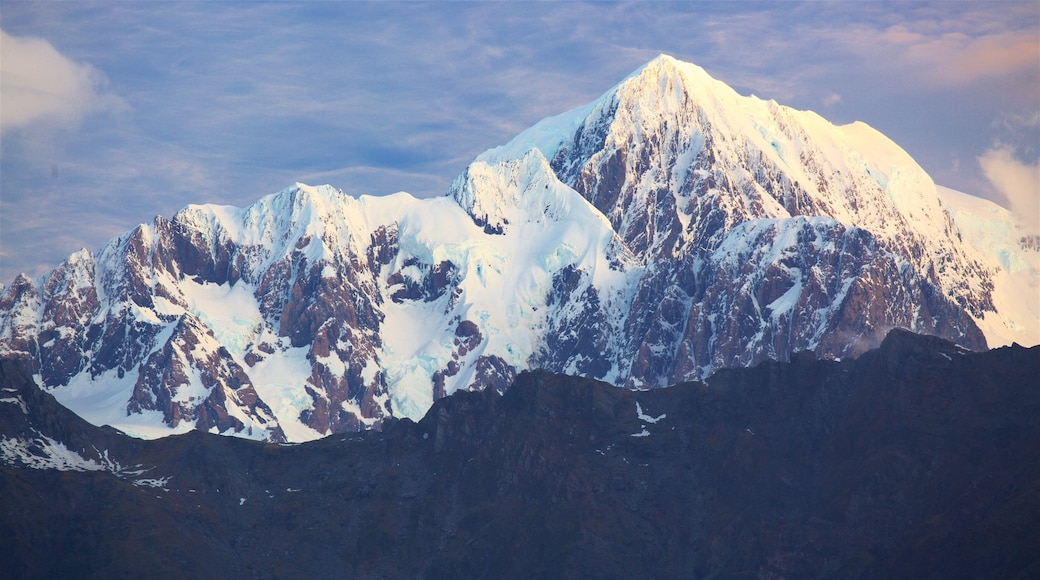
114,112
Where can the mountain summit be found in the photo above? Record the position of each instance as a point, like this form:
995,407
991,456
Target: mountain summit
666,230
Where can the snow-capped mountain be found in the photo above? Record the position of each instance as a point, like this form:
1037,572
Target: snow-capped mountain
670,228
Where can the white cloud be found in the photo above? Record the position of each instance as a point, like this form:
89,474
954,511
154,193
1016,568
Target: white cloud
1018,182
38,85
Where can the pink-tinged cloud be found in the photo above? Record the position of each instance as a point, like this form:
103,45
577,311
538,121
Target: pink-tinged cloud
1018,182
38,85
956,58
973,46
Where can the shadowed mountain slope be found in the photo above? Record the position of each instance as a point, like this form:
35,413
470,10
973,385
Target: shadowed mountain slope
916,460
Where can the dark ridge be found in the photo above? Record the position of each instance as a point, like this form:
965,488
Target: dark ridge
919,459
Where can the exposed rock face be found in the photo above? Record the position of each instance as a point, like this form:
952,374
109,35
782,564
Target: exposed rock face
192,378
916,460
666,230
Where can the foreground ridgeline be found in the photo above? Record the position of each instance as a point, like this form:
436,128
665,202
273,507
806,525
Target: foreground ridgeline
918,460
668,229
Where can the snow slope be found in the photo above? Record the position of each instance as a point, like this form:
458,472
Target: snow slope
993,232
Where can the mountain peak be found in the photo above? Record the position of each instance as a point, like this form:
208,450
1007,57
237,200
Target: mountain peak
664,65
666,77
664,84
524,189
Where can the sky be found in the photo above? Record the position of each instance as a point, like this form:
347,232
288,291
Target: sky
112,113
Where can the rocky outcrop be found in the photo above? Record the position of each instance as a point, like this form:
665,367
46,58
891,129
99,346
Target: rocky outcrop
195,380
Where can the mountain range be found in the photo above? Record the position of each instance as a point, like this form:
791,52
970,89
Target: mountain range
667,230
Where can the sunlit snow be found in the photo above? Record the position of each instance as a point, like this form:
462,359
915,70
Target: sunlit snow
991,230
230,312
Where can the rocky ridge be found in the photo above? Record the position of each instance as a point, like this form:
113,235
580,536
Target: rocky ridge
915,460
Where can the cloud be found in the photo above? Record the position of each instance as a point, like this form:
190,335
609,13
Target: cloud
38,85
953,47
1018,182
230,101
955,58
